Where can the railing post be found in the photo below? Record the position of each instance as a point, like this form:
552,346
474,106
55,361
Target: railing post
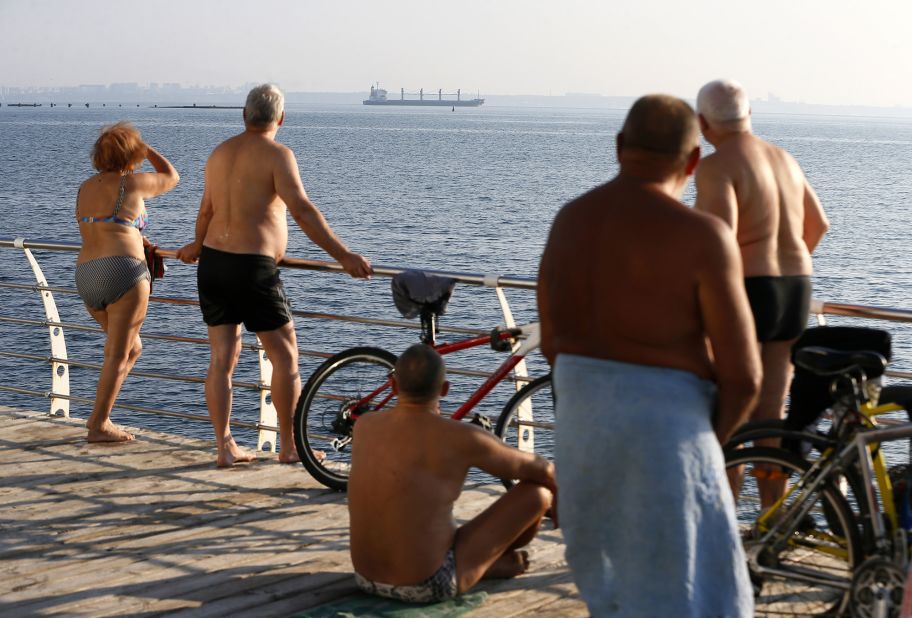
491,281
526,439
268,414
60,371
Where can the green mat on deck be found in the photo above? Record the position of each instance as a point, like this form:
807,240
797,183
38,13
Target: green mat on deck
367,606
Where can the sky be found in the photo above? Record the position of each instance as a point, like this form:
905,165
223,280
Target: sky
837,52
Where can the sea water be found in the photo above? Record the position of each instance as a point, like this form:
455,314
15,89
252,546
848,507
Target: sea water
471,190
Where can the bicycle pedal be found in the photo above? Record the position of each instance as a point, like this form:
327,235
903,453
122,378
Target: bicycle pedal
482,421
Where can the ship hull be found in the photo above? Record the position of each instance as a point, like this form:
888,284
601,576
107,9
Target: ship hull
427,102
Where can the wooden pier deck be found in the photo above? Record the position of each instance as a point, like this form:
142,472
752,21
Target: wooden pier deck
152,527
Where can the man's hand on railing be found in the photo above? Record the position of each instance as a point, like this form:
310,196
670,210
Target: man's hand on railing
356,265
189,254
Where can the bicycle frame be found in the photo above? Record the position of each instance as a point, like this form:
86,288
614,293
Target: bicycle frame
863,444
531,342
783,526
867,413
879,463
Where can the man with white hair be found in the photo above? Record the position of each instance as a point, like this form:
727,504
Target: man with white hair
761,192
241,233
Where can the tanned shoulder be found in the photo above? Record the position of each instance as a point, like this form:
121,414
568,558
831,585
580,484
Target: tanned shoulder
713,240
710,226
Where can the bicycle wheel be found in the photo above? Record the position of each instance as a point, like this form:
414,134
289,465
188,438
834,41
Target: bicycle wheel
808,573
323,420
527,421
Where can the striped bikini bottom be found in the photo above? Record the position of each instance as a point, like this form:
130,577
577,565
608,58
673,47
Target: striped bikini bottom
105,280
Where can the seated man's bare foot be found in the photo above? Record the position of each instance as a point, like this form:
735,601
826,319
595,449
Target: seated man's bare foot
109,432
509,565
233,454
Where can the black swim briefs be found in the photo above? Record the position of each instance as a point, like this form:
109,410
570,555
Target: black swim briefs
240,287
780,305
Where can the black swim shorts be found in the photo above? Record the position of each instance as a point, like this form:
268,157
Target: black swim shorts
240,287
780,305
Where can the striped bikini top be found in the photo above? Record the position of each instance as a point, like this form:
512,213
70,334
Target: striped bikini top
139,222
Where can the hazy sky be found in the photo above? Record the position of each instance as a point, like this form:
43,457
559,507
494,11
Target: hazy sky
817,51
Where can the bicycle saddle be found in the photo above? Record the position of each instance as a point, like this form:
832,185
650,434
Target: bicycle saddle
416,292
828,362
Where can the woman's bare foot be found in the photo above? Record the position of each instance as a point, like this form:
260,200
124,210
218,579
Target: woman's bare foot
108,432
509,565
233,454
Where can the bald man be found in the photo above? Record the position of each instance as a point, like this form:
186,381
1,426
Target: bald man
760,191
408,468
646,323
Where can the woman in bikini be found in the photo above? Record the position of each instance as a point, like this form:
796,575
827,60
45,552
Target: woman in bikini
111,273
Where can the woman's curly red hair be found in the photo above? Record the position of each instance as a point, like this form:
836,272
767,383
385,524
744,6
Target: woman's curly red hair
119,148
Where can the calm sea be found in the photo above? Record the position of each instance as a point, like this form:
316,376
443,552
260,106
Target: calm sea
471,191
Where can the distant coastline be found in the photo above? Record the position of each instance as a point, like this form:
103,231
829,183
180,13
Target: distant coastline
174,95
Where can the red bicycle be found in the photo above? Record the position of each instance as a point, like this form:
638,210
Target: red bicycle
359,380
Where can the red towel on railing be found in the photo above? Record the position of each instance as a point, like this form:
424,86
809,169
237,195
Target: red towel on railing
154,261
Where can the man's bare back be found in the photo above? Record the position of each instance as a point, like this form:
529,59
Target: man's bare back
248,216
657,254
402,501
250,181
409,465
761,192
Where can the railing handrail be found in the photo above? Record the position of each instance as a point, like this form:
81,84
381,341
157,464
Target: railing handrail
820,307
494,280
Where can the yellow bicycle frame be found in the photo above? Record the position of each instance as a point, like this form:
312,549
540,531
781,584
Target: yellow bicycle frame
888,505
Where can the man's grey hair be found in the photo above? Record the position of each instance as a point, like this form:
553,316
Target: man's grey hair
265,105
724,103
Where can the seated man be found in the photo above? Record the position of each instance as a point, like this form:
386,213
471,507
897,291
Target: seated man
408,468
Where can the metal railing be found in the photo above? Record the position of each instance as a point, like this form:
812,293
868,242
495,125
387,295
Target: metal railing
59,393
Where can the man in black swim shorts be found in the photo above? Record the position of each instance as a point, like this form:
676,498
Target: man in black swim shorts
761,192
251,181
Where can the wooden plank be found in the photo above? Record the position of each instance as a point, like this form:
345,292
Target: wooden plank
187,541
563,607
205,564
206,593
518,596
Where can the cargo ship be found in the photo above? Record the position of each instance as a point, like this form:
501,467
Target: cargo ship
378,96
